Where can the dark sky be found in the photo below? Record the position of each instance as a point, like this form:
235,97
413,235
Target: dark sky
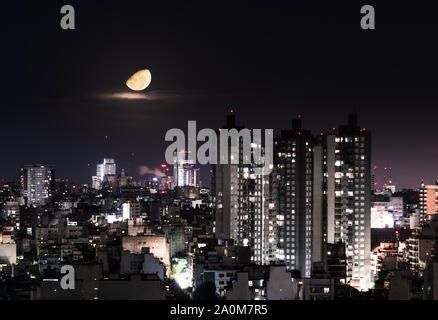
268,60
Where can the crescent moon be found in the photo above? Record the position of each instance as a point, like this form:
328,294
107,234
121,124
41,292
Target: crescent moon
139,80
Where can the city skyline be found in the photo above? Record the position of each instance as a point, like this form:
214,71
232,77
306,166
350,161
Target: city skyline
384,175
236,152
309,218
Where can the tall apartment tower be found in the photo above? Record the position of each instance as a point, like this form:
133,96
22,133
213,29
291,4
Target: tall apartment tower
293,181
347,197
240,202
37,183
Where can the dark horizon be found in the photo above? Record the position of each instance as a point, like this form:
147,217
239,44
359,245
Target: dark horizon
268,62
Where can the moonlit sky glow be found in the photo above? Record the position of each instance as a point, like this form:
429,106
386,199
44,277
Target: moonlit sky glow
65,91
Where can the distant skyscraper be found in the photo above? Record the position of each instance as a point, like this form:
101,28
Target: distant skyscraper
105,171
123,179
347,184
37,182
184,171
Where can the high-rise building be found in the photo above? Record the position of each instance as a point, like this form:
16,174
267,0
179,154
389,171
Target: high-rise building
37,183
240,201
347,193
293,203
105,172
184,171
428,201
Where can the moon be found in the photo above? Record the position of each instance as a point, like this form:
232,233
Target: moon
139,80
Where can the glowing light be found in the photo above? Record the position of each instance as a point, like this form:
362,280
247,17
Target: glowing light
182,273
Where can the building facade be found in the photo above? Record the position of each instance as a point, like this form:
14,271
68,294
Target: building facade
105,171
294,197
185,174
428,201
37,183
241,201
347,184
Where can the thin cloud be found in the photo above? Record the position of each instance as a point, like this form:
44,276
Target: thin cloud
142,170
149,96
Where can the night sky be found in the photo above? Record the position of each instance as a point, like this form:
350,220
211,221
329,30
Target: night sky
268,60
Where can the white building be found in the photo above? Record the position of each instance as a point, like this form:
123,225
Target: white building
386,212
184,171
104,171
131,210
380,216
